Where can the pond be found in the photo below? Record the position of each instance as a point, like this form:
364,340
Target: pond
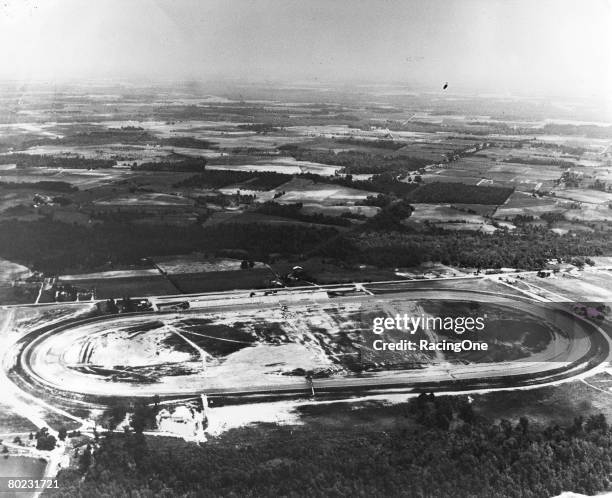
19,467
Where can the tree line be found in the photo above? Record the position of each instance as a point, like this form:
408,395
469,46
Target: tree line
437,446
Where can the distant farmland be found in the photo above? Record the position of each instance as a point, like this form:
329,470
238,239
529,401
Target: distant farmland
443,193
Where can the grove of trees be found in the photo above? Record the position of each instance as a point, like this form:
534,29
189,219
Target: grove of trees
437,446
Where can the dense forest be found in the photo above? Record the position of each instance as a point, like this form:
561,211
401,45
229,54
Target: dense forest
53,246
259,127
125,134
39,161
51,185
528,249
541,162
585,130
436,446
355,162
194,165
219,178
294,211
380,143
444,193
189,142
266,180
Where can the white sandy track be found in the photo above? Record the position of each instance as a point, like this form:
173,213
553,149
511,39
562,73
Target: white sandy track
30,407
23,403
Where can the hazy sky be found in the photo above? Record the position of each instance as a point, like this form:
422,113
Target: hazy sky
556,46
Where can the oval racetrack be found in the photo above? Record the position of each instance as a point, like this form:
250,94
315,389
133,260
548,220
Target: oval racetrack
47,361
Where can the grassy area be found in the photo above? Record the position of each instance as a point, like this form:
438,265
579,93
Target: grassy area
548,405
252,278
106,288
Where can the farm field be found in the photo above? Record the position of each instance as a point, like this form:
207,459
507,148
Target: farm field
195,163
323,271
440,213
10,271
199,263
209,281
305,191
287,165
134,286
584,195
161,200
588,286
111,274
322,208
520,203
80,178
589,213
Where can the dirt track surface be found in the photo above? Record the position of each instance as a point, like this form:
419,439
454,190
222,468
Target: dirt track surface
46,364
